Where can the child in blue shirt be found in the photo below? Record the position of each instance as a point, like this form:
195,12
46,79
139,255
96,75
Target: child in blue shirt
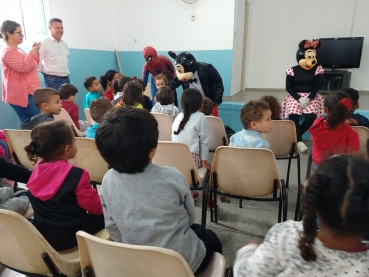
98,108
355,118
256,119
93,86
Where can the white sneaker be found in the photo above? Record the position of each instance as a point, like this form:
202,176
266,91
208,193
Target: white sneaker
302,147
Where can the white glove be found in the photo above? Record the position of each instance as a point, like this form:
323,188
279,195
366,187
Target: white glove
304,102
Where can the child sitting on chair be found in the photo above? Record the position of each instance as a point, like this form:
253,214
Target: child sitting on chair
356,119
164,103
48,102
159,196
98,108
68,95
147,104
93,87
274,106
256,119
61,195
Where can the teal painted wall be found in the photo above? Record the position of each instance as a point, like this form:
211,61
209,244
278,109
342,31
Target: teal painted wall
82,63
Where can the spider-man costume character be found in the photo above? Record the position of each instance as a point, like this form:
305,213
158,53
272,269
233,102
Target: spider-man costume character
154,65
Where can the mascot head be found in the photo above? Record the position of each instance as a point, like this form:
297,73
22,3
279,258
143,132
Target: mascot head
185,65
150,54
306,54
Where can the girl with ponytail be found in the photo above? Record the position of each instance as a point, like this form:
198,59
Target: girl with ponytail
331,135
338,194
191,127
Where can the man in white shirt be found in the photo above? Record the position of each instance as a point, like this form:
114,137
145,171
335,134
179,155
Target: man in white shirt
54,54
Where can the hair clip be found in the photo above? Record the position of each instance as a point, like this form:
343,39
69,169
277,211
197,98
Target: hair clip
347,103
307,244
34,144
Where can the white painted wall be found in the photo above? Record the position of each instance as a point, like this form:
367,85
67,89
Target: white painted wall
88,24
238,39
276,27
166,25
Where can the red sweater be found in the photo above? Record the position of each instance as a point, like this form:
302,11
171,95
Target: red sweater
341,140
72,110
109,94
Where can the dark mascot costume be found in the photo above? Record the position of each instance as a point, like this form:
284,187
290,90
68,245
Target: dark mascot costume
202,76
154,65
302,84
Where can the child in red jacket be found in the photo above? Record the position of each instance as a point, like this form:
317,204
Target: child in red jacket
61,195
331,135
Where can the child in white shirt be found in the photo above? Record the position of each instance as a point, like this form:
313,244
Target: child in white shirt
164,104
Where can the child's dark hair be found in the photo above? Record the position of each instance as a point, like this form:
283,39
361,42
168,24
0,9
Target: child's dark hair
108,76
87,82
191,101
252,111
115,87
353,94
141,83
168,75
122,81
207,106
338,106
99,107
339,193
126,137
66,91
274,106
132,94
49,140
165,96
41,95
161,76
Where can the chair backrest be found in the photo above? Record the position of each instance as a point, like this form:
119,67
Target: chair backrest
64,115
107,258
363,136
281,138
89,119
17,140
248,172
89,158
178,155
164,125
22,246
217,134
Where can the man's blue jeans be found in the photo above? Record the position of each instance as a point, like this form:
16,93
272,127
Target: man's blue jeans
55,82
25,113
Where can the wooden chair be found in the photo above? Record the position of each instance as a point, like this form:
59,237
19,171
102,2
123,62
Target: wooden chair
89,158
247,173
217,134
17,140
136,260
363,133
164,125
65,116
178,155
89,119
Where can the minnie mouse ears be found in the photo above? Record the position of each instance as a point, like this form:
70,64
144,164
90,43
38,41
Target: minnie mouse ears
307,44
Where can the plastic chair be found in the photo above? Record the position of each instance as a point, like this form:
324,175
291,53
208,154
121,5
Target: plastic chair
17,140
89,158
178,155
65,116
136,260
89,119
23,249
164,125
247,173
217,134
363,133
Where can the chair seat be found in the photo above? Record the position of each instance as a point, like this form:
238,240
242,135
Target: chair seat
202,174
103,234
215,268
70,254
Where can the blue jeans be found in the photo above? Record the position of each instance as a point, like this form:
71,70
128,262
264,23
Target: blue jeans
154,90
55,82
25,113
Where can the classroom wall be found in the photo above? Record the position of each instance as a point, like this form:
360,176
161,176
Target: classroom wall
276,27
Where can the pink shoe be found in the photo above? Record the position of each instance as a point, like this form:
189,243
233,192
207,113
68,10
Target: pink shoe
195,195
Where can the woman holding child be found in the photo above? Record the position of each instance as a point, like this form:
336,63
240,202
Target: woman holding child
19,71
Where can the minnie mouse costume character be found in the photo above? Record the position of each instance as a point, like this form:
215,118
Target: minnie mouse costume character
201,76
154,65
302,85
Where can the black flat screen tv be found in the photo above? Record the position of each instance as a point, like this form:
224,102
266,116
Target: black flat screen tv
340,52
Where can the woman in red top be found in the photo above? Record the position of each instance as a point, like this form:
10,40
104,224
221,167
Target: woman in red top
19,71
106,82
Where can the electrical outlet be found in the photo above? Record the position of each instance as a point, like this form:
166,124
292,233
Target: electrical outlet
193,16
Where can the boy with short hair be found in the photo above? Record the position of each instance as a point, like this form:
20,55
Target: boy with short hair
356,119
68,95
256,119
98,108
127,140
207,106
48,101
93,87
